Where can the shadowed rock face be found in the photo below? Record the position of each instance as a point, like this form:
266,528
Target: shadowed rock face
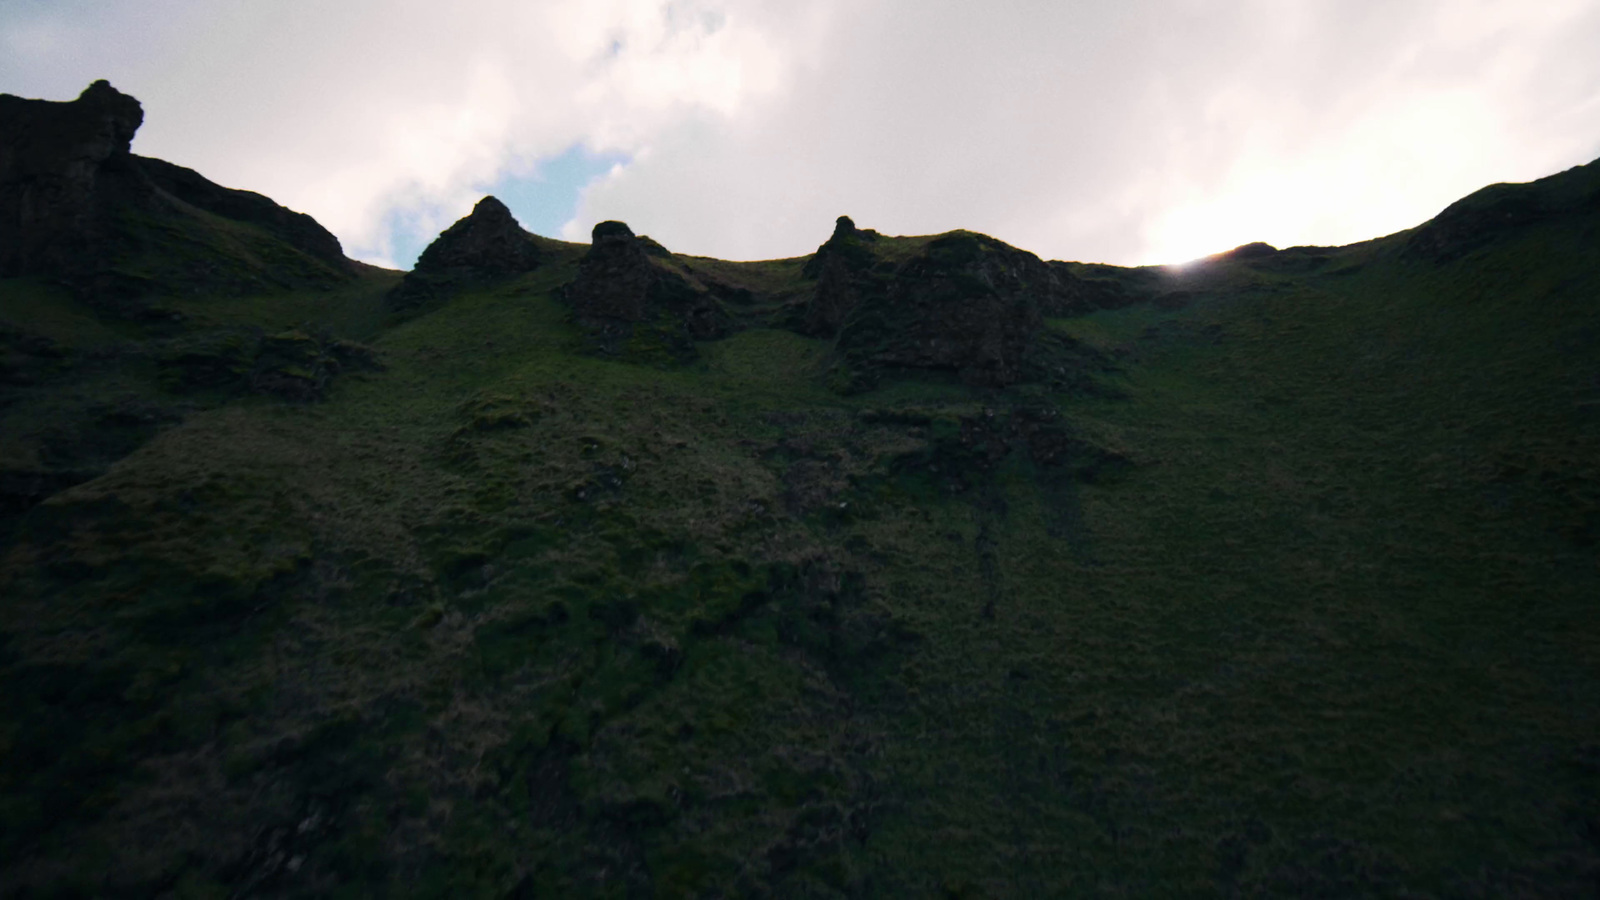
483,246
75,204
625,282
966,303
616,279
51,161
489,239
843,267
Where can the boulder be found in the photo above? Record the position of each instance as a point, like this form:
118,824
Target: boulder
846,269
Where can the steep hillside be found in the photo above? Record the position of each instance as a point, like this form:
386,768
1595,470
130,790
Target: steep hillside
134,292
917,566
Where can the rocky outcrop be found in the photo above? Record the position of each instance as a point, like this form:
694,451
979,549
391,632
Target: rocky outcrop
484,246
53,157
960,302
487,240
633,299
846,270
616,279
77,206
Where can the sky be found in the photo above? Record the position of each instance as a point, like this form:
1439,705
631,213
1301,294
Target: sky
1121,131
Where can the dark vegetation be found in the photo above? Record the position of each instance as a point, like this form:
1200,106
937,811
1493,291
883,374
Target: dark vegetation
913,567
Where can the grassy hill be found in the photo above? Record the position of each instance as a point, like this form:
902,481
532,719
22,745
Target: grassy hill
1272,577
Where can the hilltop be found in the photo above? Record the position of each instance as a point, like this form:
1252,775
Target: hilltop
911,566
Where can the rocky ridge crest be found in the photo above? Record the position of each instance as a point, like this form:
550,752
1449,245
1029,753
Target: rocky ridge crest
485,245
52,156
78,206
631,298
962,302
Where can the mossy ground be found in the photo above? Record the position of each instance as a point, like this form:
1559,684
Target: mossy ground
1304,605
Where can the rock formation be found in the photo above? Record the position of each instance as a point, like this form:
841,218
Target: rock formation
967,304
52,156
296,229
962,302
628,287
488,240
483,246
843,268
76,205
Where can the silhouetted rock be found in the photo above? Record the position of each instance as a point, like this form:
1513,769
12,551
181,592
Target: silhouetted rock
489,240
76,205
842,267
629,290
611,234
968,304
616,278
965,303
483,246
51,161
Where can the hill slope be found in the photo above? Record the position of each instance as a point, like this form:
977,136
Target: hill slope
611,571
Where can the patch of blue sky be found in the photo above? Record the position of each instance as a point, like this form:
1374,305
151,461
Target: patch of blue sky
408,237
547,198
543,197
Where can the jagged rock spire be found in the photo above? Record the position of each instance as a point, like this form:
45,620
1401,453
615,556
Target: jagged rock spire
488,239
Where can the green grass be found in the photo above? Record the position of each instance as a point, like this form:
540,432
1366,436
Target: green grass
52,313
504,616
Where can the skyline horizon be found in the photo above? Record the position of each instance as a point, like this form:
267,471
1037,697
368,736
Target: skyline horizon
1146,133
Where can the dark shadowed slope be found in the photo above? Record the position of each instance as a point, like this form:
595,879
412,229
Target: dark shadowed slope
136,292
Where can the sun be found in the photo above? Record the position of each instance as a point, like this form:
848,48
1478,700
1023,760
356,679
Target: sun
1190,232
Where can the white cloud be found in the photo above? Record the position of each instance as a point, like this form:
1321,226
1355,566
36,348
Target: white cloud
360,110
1132,132
1128,131
1463,95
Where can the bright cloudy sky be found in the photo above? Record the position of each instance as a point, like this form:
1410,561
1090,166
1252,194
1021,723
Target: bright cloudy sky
1125,131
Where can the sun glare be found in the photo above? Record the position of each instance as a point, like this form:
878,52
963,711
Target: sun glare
1189,233
1398,163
